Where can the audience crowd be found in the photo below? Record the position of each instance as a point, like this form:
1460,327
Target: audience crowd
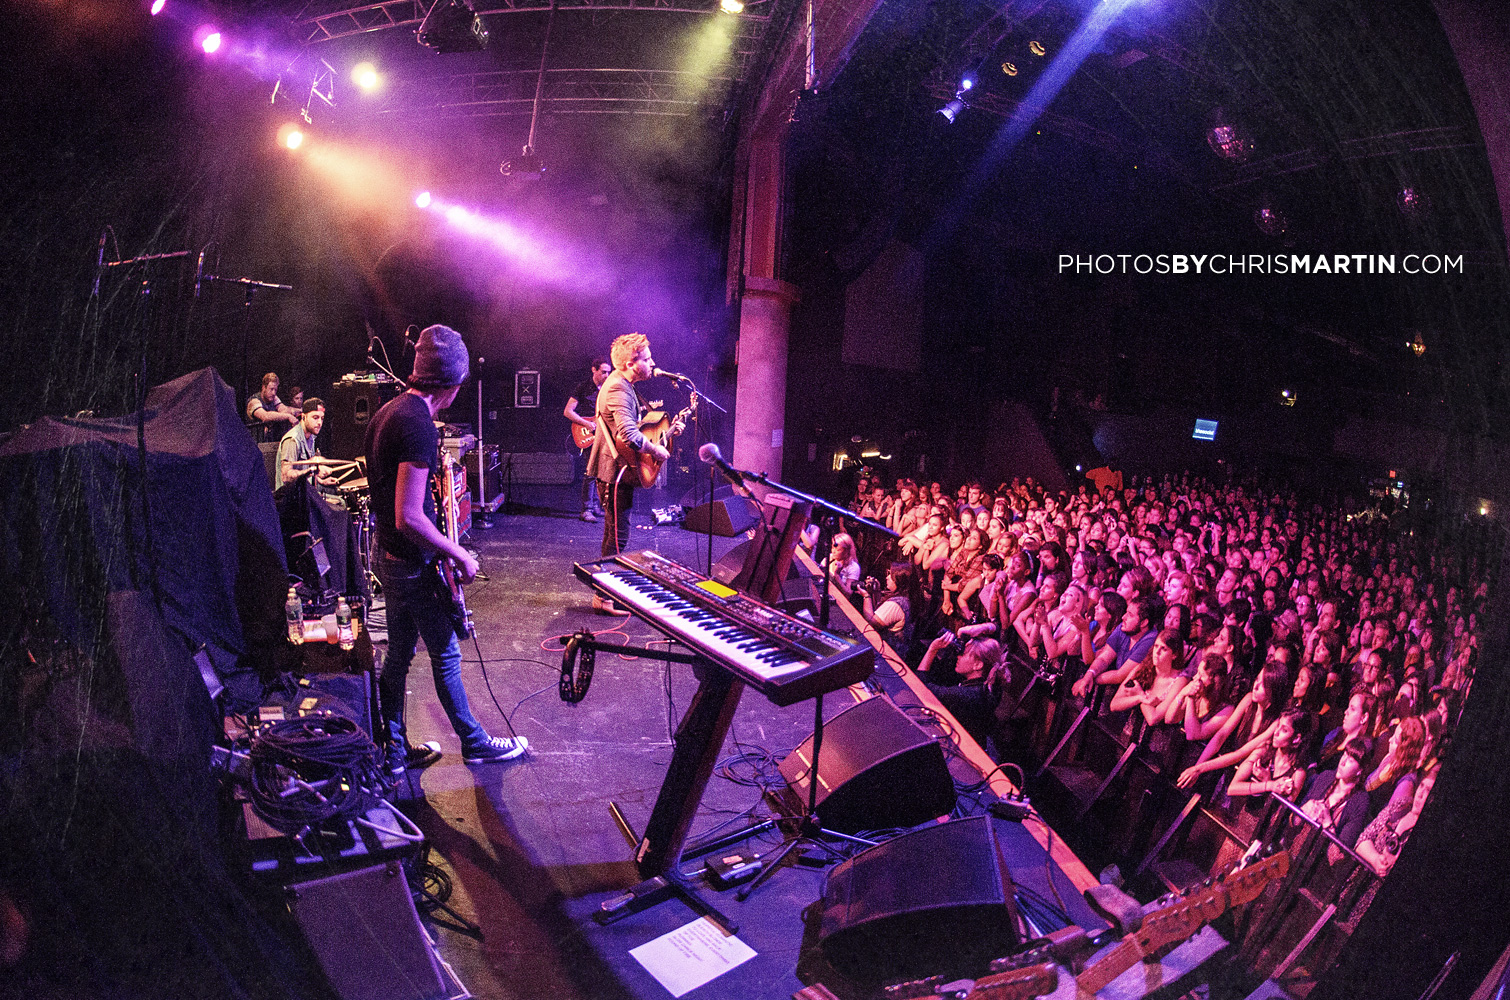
1252,642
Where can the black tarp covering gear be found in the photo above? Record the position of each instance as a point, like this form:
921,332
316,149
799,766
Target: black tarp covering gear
72,530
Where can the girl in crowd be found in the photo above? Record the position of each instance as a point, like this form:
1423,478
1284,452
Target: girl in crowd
1203,704
1153,687
1252,720
1018,593
963,571
1353,732
1277,764
1393,782
844,567
1337,802
1381,840
894,612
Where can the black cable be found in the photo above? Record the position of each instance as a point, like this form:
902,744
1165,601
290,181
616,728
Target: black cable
312,769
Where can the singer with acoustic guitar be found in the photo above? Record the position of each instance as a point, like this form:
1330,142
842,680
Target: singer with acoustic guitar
403,453
623,455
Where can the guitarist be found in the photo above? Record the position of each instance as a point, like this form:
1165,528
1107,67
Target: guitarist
402,454
619,442
580,410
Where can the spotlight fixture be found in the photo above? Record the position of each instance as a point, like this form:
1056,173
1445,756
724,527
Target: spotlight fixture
1417,345
1413,202
365,75
157,7
1287,397
290,136
209,39
422,200
452,26
527,165
1269,219
1036,47
966,83
952,110
1226,139
732,6
1009,68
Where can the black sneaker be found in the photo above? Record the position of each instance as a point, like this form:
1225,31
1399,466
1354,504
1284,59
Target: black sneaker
396,761
422,756
495,749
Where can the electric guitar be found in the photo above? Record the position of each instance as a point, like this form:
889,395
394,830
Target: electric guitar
582,436
448,505
660,429
1033,973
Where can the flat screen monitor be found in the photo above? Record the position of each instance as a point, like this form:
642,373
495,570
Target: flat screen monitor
1205,430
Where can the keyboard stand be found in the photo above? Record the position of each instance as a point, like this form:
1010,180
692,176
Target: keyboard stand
699,738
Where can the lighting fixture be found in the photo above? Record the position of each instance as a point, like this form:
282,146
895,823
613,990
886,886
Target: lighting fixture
422,200
526,165
1009,68
209,39
291,136
966,83
1269,219
157,7
1413,202
731,6
1036,47
452,26
1417,345
952,110
1226,139
365,75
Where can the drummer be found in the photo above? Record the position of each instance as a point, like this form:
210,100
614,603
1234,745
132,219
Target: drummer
299,445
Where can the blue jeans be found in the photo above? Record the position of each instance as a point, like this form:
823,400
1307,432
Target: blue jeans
416,611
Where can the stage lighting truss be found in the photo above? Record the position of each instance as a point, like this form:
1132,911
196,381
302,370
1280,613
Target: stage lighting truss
567,91
290,85
358,19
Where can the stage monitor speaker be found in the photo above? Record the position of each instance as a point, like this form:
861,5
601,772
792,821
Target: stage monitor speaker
349,407
938,899
877,769
367,937
728,515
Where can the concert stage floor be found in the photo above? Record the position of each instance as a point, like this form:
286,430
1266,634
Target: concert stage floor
530,844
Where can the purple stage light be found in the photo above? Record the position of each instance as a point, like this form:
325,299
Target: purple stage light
157,7
208,38
422,200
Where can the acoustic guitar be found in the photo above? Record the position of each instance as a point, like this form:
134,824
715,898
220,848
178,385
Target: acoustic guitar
660,429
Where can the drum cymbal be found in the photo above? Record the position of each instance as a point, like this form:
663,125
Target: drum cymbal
354,485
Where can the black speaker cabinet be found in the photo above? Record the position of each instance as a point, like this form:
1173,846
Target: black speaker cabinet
938,899
728,515
367,937
877,769
349,407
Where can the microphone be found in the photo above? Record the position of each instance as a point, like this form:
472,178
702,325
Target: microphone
710,455
673,376
198,273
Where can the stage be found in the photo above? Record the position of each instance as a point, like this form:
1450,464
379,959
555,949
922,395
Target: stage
530,844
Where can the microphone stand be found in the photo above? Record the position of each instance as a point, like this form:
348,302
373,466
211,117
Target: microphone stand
251,285
808,826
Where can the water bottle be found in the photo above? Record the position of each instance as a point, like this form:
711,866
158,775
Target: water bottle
293,610
343,624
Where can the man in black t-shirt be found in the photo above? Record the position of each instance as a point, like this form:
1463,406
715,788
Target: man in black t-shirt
581,409
402,451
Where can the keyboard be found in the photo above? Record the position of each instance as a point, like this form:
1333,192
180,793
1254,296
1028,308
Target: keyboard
785,658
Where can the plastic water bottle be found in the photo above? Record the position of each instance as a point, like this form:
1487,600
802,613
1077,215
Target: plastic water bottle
343,624
293,610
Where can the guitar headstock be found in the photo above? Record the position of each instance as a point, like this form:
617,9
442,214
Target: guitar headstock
1245,884
1201,905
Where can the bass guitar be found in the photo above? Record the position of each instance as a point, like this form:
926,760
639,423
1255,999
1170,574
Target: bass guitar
448,506
660,429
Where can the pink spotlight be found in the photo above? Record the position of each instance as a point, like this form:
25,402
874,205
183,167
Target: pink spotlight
211,42
422,200
157,7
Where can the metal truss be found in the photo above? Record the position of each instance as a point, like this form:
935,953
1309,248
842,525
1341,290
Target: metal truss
357,19
567,91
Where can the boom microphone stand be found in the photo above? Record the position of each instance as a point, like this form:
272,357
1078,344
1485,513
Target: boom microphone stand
809,829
